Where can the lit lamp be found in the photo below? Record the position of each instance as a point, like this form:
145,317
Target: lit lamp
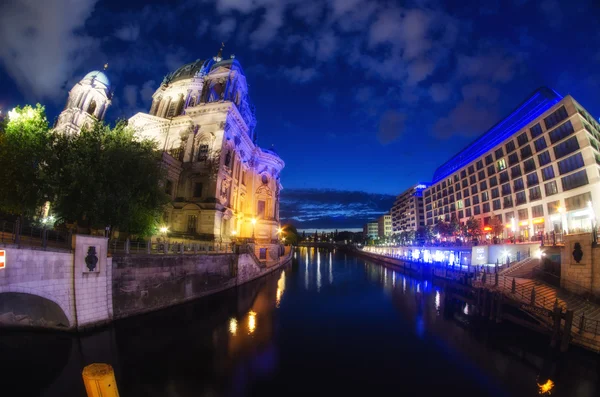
164,230
253,220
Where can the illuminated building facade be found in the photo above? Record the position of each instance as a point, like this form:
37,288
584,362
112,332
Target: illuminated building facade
222,185
407,212
537,169
88,101
371,230
384,226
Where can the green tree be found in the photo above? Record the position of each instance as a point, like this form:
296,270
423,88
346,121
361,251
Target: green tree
454,226
291,234
441,228
496,225
24,149
474,228
410,237
105,177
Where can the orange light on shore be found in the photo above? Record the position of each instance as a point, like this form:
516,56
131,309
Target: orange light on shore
546,388
2,259
487,229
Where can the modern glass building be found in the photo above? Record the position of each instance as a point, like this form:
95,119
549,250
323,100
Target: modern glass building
538,170
407,211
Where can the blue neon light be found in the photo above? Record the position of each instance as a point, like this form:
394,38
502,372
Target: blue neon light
534,106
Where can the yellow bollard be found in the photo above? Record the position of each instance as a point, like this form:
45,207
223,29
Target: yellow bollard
99,381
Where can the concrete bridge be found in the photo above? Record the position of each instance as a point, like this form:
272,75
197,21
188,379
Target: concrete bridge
84,287
54,288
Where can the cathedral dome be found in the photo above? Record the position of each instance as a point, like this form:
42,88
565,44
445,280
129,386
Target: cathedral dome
187,71
99,76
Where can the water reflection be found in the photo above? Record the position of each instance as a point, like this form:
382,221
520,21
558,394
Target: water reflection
253,341
233,326
318,270
280,288
251,321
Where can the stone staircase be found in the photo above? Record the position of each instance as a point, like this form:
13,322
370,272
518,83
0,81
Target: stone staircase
523,268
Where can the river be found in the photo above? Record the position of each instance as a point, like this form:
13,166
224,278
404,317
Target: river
328,324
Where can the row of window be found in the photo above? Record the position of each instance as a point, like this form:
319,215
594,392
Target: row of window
569,182
526,152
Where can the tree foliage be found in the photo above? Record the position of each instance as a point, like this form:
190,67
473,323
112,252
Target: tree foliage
496,225
105,177
291,234
474,228
24,146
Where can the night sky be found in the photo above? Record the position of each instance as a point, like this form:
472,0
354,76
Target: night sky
361,98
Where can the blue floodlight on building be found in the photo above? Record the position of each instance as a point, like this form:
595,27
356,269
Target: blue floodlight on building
535,105
420,187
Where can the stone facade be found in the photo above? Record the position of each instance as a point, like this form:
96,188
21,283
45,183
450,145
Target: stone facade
223,186
88,101
93,295
580,264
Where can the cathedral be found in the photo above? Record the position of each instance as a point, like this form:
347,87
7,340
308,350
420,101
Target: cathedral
223,186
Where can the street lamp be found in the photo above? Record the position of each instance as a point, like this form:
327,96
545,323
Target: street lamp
253,226
164,230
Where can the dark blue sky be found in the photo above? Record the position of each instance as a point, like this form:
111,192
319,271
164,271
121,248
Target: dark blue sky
356,95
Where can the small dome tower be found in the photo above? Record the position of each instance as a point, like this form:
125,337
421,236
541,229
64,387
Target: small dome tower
87,103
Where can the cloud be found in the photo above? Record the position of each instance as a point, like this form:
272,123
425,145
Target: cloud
552,13
391,126
224,29
495,65
470,118
147,90
299,74
328,208
176,59
128,33
439,92
42,46
130,94
326,99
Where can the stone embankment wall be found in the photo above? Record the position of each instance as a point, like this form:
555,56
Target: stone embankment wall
143,283
83,287
580,264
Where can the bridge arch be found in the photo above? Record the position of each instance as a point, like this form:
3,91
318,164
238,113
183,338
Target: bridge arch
27,307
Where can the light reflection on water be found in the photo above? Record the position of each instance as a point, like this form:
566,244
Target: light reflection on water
257,339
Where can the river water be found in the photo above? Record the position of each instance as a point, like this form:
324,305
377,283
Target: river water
328,324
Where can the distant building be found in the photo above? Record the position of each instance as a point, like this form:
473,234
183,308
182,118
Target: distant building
371,230
537,169
384,226
408,211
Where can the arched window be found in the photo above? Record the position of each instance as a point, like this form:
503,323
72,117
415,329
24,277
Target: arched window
92,107
180,103
155,106
172,109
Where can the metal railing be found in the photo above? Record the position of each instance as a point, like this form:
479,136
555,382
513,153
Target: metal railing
126,247
33,236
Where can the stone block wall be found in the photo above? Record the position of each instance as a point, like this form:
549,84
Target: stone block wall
143,283
46,275
583,275
93,289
